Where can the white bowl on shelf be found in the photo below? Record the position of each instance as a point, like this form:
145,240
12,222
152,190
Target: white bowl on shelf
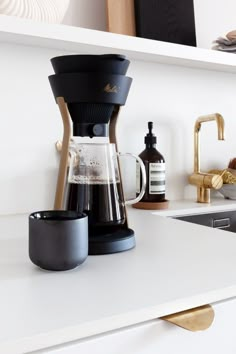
228,191
50,11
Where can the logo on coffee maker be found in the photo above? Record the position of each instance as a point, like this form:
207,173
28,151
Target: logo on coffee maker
111,89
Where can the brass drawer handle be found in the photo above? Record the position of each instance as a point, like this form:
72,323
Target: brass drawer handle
196,319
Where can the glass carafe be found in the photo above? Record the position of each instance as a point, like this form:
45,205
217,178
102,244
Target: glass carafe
95,184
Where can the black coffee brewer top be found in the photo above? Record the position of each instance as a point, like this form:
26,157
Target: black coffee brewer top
91,85
106,63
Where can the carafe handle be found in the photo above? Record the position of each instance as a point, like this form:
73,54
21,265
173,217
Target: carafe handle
144,179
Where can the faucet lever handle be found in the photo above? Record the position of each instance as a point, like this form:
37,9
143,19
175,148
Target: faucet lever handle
206,180
216,181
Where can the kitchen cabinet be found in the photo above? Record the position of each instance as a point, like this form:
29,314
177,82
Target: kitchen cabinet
158,336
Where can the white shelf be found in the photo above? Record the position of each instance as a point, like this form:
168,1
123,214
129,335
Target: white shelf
81,40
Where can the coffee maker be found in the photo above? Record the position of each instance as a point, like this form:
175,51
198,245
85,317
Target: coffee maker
89,90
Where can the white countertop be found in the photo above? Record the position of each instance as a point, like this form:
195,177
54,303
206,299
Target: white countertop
175,266
185,207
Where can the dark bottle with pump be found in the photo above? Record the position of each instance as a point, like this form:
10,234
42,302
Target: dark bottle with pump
155,170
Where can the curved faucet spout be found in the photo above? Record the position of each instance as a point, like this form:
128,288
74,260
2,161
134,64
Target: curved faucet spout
220,127
205,181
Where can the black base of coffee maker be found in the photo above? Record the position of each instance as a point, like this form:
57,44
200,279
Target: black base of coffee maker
119,241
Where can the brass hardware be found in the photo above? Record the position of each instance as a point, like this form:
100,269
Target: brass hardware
111,89
197,319
62,173
205,181
228,177
58,145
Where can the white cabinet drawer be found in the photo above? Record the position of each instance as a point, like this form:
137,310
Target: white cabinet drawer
158,336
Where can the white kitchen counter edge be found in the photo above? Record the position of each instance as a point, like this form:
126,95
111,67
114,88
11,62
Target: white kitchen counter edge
188,206
90,329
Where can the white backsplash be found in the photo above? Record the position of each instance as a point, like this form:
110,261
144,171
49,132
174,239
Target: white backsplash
170,96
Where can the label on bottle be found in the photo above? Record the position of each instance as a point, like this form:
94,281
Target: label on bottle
137,177
157,183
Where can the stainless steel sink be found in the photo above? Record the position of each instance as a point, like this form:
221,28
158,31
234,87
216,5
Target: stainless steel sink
225,220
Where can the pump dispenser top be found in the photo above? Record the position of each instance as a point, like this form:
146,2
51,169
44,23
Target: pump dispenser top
150,139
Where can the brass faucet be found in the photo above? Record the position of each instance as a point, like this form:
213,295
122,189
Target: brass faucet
205,181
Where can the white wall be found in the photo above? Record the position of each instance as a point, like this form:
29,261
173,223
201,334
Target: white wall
173,97
213,18
87,13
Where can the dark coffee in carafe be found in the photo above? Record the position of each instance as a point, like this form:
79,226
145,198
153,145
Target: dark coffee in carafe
102,202
95,188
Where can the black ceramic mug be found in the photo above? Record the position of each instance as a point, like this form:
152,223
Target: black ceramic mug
58,239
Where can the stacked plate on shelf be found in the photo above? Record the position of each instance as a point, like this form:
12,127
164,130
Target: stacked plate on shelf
226,43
